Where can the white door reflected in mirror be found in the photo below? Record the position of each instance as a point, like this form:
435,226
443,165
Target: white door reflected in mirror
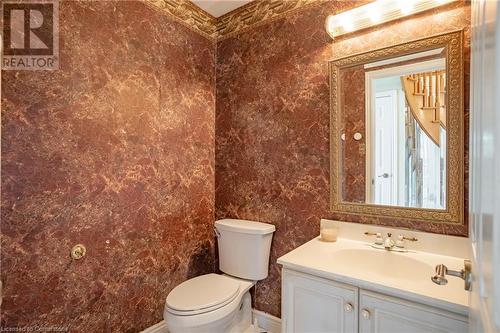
402,111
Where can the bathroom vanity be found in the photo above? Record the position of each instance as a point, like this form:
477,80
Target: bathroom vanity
348,286
396,153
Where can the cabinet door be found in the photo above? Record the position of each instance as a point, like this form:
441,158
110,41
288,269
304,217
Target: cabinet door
316,305
383,314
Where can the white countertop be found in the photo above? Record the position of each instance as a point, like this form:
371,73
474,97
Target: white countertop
405,275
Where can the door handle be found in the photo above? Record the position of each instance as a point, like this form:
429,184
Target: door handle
384,175
465,274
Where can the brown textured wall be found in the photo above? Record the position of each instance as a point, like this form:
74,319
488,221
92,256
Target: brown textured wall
272,123
116,151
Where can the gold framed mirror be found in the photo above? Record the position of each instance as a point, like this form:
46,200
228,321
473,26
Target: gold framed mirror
397,131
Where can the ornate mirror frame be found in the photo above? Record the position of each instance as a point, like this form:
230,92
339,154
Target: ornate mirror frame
454,212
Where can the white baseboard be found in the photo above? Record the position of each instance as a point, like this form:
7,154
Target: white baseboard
161,327
267,322
270,324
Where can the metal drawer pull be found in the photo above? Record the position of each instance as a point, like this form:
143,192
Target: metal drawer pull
365,313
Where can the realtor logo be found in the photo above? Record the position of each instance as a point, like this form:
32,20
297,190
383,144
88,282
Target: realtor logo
30,34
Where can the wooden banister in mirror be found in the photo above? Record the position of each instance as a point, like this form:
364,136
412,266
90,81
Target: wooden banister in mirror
425,95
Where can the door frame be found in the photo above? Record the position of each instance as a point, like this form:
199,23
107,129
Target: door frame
484,167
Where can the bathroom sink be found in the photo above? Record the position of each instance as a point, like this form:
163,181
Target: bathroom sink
392,265
401,274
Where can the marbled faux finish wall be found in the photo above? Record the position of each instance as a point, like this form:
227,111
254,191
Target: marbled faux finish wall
115,151
272,123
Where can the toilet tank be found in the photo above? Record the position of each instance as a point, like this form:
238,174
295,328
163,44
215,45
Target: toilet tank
244,247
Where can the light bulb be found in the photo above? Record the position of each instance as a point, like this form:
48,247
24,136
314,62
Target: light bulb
406,6
346,23
375,15
330,23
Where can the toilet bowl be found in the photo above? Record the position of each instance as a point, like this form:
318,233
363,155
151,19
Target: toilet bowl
213,303
221,303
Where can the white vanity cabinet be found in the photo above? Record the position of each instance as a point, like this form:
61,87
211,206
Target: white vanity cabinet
384,314
312,304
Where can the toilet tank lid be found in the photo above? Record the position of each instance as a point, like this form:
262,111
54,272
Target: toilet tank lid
245,226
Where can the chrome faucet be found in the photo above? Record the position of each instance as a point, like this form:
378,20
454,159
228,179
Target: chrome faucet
388,242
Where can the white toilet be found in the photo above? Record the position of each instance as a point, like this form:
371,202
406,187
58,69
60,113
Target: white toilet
222,303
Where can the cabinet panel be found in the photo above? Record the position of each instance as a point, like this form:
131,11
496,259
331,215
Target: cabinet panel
385,314
315,305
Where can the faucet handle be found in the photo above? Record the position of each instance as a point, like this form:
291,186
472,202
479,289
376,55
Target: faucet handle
400,242
378,237
411,239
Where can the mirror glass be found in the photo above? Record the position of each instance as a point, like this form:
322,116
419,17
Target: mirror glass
393,141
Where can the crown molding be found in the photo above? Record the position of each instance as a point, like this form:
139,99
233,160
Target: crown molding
251,15
188,14
256,13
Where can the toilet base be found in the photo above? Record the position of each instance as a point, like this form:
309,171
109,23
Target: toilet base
237,321
243,318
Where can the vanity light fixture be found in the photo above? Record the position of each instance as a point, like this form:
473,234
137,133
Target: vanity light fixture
376,12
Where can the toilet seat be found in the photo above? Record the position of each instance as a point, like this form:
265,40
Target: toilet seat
215,318
202,294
